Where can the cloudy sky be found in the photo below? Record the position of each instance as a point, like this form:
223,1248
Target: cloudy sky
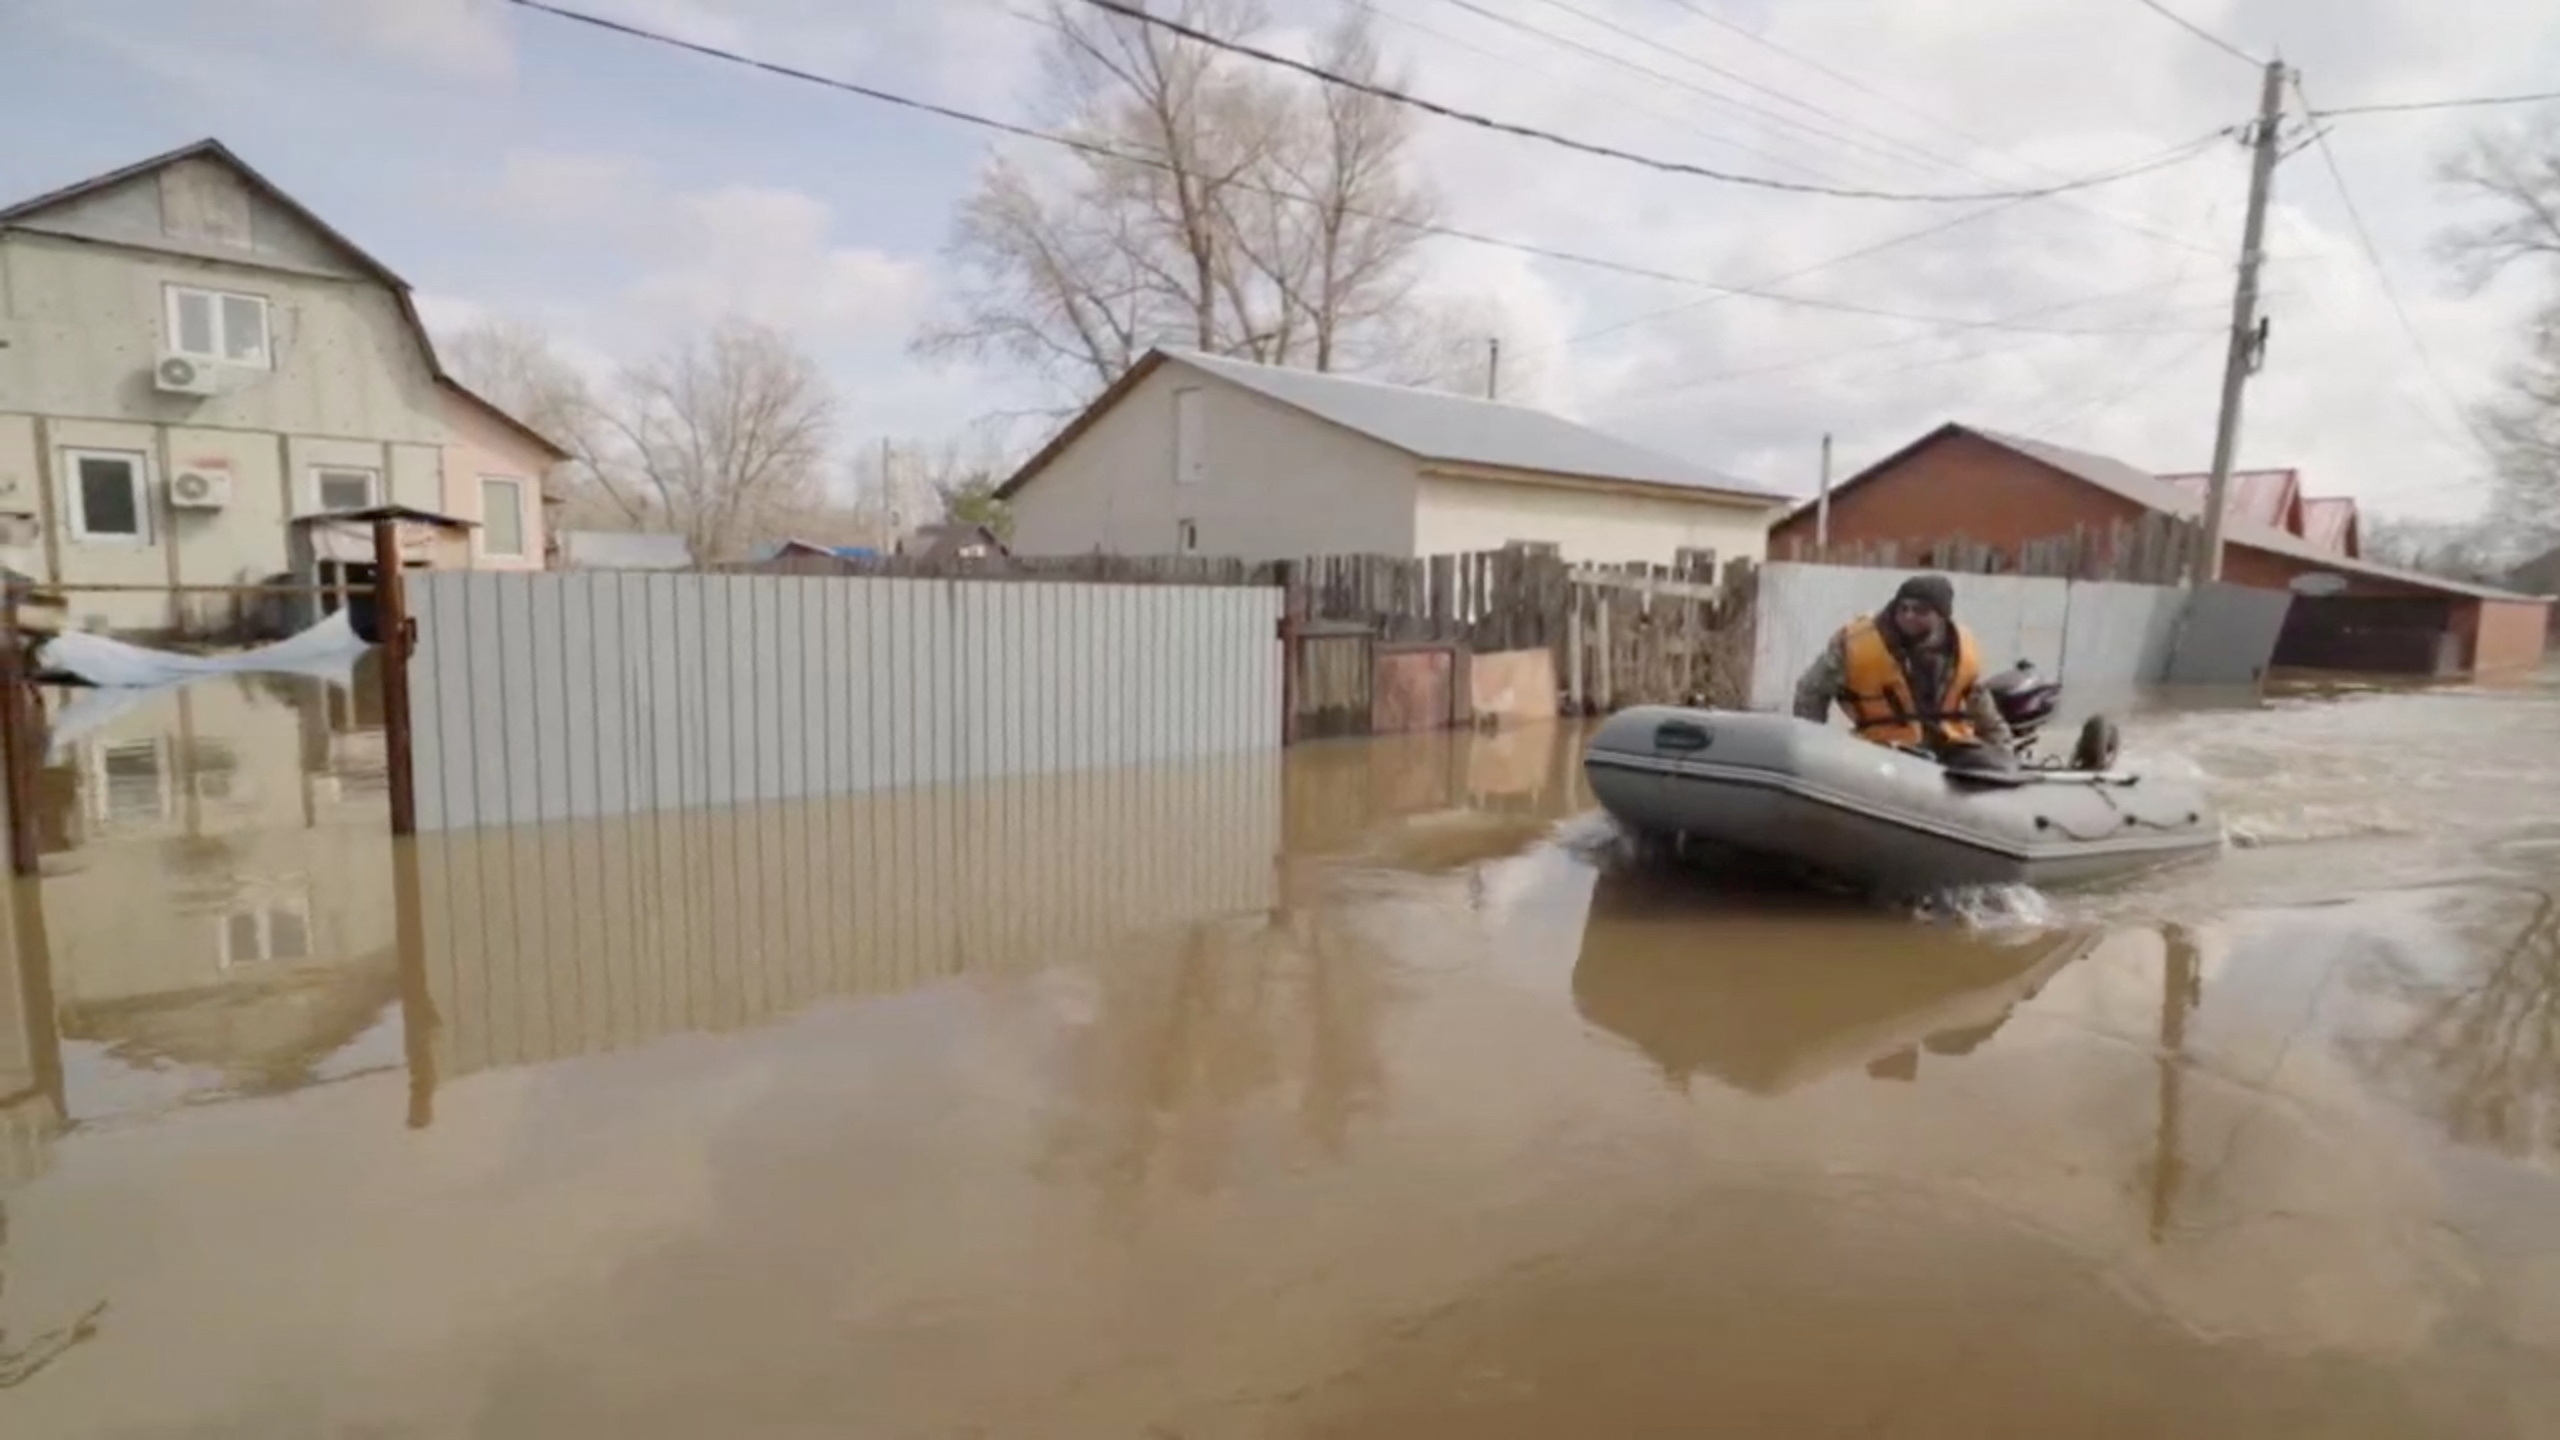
509,162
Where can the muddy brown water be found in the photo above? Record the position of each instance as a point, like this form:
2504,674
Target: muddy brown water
1373,1095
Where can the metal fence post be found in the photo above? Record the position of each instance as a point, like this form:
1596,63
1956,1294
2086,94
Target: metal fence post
391,624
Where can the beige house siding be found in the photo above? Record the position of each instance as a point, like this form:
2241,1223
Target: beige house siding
84,305
1274,483
479,446
1588,523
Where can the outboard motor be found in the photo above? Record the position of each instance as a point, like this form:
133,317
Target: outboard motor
2027,699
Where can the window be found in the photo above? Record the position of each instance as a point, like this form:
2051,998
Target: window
278,930
132,783
106,494
1190,438
1190,535
501,517
339,488
218,325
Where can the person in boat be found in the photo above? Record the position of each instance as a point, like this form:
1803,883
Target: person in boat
1911,677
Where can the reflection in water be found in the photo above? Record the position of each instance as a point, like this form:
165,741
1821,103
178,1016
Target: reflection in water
2481,1039
1240,1098
1767,994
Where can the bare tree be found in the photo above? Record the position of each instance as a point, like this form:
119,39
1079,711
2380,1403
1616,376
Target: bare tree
726,433
2518,173
513,365
1224,208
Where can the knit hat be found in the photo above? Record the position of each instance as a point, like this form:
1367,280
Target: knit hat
1935,591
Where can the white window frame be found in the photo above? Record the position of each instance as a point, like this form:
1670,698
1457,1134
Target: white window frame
524,531
102,809
264,912
76,496
220,353
373,487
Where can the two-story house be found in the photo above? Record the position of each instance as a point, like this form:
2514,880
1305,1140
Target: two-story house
189,360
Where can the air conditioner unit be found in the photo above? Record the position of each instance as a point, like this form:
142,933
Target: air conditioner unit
199,490
183,375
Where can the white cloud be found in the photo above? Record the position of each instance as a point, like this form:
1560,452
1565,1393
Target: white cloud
2054,91
465,38
771,255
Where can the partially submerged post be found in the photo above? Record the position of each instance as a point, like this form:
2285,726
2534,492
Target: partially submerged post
393,632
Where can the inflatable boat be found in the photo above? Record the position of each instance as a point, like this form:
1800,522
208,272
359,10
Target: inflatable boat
1886,820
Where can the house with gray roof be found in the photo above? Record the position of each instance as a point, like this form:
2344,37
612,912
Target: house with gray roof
1198,454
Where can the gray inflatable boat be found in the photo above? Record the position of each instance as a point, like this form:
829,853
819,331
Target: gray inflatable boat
1781,788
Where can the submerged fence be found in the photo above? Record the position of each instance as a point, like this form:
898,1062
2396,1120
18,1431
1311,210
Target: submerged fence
546,697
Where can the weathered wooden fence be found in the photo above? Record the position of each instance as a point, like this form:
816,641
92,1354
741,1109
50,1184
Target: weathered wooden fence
2154,550
1380,643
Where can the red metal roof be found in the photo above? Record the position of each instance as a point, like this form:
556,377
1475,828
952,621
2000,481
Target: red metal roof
2330,524
2272,498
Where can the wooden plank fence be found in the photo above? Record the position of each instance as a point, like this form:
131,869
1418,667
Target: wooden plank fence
2153,550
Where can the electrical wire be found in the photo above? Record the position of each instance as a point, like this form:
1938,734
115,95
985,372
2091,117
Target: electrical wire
1130,157
1530,132
2201,33
2390,292
1635,68
1909,149
1375,11
2161,161
1872,91
2472,102
2034,335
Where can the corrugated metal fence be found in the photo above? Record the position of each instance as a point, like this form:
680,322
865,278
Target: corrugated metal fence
544,697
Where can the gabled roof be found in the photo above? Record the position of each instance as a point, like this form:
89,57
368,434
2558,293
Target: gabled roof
206,149
14,216
2272,498
494,411
2331,523
2152,493
1429,425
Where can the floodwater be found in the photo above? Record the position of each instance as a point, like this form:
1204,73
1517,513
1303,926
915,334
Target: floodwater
1373,1095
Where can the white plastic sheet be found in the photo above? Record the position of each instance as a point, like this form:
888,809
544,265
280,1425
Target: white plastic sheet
328,649
129,675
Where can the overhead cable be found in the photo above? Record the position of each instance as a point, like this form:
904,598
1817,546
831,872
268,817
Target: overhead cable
2468,102
1548,137
2161,161
2391,292
2201,33
1131,157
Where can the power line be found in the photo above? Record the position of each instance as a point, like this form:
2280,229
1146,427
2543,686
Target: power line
2034,336
1873,91
2390,292
1370,8
2162,161
2470,102
1634,68
1530,132
2201,33
1772,92
1130,157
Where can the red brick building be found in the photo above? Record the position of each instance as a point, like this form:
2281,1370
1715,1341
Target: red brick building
1962,483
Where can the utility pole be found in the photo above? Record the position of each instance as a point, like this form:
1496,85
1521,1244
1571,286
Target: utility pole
1822,505
1493,368
2246,337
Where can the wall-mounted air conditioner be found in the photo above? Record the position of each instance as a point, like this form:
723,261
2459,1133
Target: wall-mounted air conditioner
199,490
175,374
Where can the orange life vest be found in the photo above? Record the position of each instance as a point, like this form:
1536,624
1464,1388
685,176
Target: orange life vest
1878,691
